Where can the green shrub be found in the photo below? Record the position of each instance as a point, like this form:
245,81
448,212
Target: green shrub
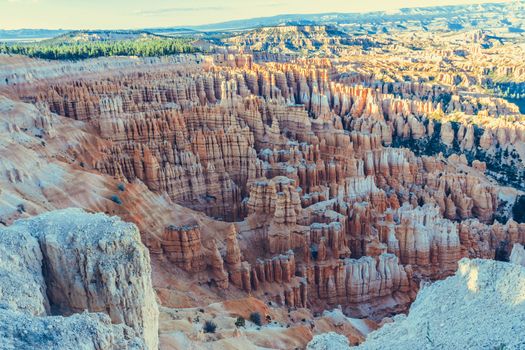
20,208
518,210
255,317
502,251
240,322
116,199
209,327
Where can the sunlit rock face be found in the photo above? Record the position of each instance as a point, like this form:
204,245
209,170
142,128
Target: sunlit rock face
490,291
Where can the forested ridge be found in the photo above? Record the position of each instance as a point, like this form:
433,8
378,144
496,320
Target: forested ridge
82,50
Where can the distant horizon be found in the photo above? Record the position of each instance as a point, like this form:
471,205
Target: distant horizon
108,15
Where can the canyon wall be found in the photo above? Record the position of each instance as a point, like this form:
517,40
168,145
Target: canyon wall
288,181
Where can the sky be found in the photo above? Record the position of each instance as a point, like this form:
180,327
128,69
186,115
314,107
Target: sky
128,14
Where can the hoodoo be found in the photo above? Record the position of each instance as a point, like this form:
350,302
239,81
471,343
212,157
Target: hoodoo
284,182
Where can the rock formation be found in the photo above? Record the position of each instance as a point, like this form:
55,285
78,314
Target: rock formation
87,330
255,171
462,311
232,150
69,263
518,255
182,245
328,341
428,243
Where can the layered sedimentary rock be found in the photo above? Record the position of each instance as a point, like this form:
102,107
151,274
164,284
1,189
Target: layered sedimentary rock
366,281
303,182
310,182
427,242
481,240
68,262
182,245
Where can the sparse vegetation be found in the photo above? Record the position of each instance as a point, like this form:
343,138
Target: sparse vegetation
502,251
255,317
116,199
518,210
314,251
21,208
209,327
240,322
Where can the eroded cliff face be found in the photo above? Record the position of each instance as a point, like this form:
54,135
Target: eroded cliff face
284,181
88,267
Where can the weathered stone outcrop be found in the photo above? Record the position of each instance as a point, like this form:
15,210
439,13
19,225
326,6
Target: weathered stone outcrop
485,296
182,245
91,331
220,275
480,240
517,255
67,262
366,281
428,243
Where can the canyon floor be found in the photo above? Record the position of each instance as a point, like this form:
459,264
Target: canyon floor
279,185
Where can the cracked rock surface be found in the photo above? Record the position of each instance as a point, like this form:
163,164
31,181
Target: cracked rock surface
69,262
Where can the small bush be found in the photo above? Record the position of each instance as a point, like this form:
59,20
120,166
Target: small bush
502,251
116,199
255,317
240,322
209,327
121,187
518,210
20,208
314,251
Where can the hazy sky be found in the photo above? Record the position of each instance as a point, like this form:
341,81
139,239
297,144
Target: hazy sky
110,14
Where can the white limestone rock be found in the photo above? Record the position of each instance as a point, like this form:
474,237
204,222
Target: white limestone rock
328,341
517,256
22,285
80,262
86,331
481,307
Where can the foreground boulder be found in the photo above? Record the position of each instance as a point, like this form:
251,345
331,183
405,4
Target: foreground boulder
328,341
481,307
67,262
80,331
